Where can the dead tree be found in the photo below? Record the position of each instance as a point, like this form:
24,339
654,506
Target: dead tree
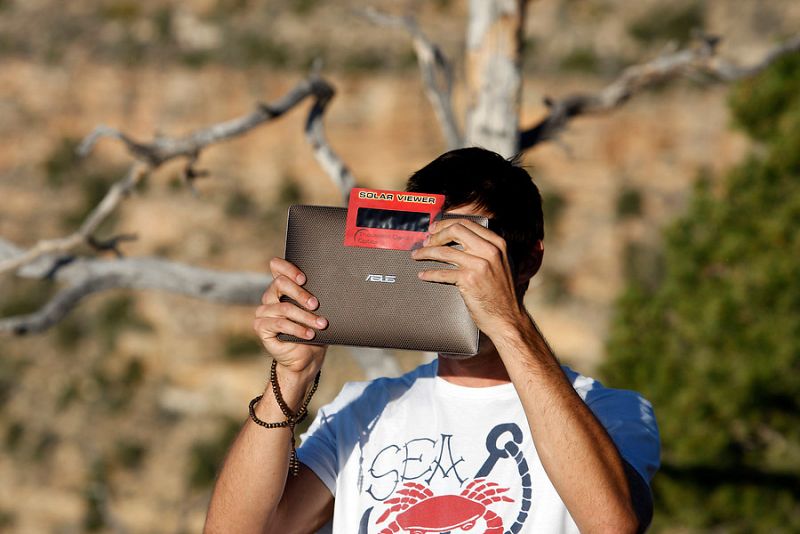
493,79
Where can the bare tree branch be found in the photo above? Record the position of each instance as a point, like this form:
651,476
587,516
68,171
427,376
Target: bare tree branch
729,72
700,58
330,162
162,148
86,276
436,71
84,234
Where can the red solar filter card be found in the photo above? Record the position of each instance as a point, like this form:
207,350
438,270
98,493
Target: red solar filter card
394,220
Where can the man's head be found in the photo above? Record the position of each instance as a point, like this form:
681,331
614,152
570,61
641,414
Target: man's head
497,187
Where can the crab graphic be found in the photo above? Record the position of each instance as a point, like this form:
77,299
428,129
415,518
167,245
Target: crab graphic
422,512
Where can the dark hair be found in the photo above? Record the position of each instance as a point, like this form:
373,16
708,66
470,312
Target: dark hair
500,186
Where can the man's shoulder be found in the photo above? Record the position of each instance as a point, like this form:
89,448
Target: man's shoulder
592,390
380,389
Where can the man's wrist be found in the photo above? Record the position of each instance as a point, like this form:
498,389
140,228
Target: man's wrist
522,338
293,386
508,329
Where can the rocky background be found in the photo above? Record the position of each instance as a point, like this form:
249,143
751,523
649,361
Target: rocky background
116,419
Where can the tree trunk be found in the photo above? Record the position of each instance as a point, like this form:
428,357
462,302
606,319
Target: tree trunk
494,77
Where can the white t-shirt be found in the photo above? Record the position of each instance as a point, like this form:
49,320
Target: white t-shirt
419,454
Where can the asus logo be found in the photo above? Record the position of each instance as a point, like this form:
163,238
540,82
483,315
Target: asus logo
386,278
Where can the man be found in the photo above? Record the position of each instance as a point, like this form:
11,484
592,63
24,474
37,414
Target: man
505,441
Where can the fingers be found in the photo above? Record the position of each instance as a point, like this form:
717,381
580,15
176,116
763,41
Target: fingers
279,266
475,238
287,280
466,263
451,255
269,327
282,286
274,317
286,318
290,311
444,276
484,252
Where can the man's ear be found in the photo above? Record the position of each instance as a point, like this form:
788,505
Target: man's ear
530,265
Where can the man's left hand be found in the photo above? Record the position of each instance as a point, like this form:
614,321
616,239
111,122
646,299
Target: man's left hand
482,273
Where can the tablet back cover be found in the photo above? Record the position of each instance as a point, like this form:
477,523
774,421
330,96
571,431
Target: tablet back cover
373,297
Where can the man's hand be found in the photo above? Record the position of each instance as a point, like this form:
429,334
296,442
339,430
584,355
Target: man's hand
482,274
274,317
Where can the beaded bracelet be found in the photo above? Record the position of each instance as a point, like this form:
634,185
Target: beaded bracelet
292,420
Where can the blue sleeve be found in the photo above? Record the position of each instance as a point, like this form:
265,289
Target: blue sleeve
629,420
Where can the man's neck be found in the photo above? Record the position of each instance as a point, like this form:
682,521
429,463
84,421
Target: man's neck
482,370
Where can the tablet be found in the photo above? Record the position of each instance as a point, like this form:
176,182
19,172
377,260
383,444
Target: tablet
373,297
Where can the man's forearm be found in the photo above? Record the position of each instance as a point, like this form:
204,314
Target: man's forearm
253,477
576,451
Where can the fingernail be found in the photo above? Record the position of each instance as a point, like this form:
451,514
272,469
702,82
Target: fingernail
427,239
301,278
321,322
309,333
312,302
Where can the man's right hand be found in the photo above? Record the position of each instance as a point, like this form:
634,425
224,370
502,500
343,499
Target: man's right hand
274,317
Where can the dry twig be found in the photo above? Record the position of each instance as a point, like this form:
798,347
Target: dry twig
437,74
86,276
700,58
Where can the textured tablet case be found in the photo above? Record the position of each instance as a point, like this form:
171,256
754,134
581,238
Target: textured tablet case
364,307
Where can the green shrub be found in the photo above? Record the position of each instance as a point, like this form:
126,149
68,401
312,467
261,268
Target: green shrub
118,390
555,287
62,163
94,187
121,10
95,496
581,60
364,60
70,332
553,206
26,296
162,19
130,453
120,311
15,432
669,22
45,445
629,203
69,394
715,344
242,347
258,48
303,7
239,204
7,518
